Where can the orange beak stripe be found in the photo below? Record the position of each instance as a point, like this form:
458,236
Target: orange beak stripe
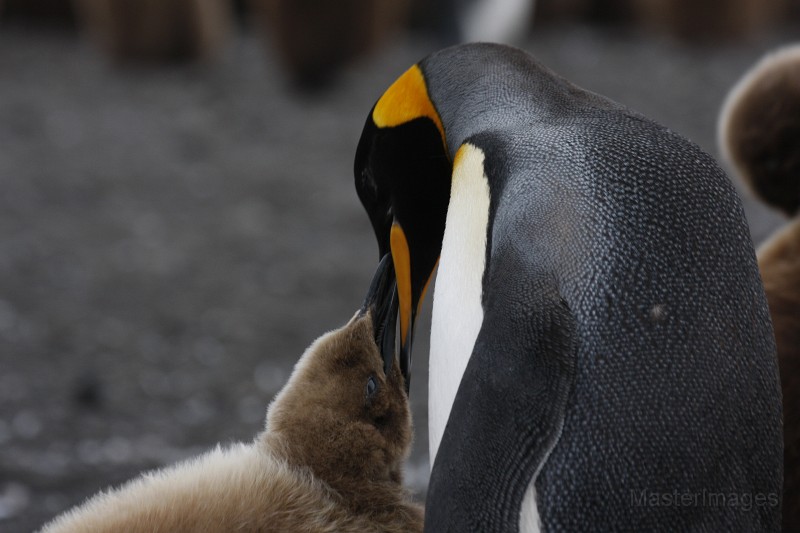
402,268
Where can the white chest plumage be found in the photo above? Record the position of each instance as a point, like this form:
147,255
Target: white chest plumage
457,310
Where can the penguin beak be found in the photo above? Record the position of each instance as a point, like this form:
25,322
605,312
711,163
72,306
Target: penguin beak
402,176
382,304
410,293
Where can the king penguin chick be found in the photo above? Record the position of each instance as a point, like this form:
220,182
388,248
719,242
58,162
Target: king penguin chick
329,459
759,128
759,135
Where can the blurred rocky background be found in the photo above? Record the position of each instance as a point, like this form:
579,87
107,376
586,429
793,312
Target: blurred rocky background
177,213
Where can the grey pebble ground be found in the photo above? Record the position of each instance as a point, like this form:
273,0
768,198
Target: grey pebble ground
172,239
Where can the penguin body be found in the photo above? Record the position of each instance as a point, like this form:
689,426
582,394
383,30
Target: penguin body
622,374
759,134
329,460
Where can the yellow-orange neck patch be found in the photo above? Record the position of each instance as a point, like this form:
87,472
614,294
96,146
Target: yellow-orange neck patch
405,100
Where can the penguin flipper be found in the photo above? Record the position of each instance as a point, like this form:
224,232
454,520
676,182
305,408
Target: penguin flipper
509,409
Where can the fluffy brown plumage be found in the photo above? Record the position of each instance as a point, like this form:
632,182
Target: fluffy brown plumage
759,129
779,263
759,132
329,460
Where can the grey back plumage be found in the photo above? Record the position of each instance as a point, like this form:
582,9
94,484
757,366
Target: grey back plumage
672,419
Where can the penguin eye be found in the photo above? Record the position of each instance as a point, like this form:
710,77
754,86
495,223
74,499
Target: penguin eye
372,386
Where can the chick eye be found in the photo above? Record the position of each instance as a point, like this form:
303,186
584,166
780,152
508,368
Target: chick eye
372,386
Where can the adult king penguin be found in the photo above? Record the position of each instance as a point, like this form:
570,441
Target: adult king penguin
601,354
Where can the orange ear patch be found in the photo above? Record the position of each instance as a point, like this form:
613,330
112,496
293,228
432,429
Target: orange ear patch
406,100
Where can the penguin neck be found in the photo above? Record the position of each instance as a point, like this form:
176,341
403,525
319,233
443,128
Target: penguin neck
457,308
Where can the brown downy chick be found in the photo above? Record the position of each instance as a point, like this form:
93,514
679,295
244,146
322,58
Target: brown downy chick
353,432
329,460
759,129
759,133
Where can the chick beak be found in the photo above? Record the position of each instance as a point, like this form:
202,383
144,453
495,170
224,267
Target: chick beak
382,304
405,352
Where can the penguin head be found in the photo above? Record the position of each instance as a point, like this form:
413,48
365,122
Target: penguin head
402,177
344,412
